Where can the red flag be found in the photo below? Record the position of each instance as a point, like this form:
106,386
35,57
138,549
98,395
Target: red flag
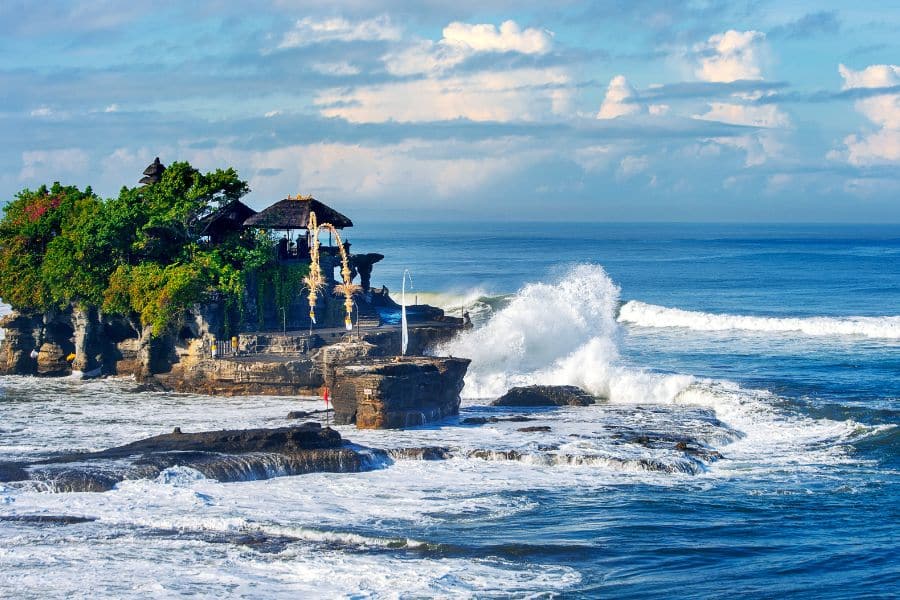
325,395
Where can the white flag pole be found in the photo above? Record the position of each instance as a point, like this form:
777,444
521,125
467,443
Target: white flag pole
404,329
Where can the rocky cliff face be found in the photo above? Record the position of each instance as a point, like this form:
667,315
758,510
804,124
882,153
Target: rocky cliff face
39,344
397,393
22,336
270,363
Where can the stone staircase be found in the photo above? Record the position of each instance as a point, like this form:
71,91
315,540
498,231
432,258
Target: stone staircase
368,315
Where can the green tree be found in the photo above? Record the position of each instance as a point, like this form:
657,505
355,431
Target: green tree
139,254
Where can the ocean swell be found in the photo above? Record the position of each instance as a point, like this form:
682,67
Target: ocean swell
651,315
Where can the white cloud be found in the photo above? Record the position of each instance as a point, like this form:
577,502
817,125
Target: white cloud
309,31
593,158
409,173
882,145
486,96
632,165
483,95
487,38
730,56
111,108
462,40
758,147
616,103
424,56
336,68
50,164
764,115
872,76
42,111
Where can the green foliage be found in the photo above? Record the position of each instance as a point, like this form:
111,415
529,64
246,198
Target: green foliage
281,281
37,241
160,294
137,254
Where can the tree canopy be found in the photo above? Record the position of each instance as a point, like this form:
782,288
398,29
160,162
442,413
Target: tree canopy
140,254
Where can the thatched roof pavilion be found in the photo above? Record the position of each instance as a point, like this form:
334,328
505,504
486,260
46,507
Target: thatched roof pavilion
226,219
293,213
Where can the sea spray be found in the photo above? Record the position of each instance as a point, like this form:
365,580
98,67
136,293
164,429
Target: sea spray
559,333
542,324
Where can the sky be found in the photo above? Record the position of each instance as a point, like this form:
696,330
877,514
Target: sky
470,110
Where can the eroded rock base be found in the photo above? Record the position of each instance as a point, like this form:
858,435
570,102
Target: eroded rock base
397,393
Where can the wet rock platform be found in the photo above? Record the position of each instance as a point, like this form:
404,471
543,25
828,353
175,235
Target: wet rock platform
228,455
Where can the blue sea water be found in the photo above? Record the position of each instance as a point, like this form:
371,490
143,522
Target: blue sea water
776,346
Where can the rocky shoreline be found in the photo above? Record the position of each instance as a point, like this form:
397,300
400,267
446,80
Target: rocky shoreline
310,447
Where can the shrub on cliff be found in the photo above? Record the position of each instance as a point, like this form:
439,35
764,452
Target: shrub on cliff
38,242
139,254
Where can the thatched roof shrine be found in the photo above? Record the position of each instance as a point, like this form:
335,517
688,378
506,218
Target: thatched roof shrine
226,219
293,213
153,173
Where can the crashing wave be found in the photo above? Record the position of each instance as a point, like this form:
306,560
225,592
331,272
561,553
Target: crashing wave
566,332
651,315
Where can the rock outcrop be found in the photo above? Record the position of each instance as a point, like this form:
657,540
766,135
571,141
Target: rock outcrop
231,455
546,395
396,393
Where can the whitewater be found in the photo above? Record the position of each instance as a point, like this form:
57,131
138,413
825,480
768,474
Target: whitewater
794,491
641,314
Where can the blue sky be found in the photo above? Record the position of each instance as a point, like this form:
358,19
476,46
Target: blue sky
641,110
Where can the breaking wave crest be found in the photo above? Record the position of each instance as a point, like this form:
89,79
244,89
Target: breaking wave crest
562,332
651,315
566,332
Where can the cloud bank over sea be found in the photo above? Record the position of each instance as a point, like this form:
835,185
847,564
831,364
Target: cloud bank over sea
703,111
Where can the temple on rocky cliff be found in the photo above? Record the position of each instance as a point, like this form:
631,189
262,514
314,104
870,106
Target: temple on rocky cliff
295,326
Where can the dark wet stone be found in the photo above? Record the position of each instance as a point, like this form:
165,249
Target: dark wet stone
691,447
75,479
534,429
47,519
12,472
546,395
495,454
485,420
235,455
282,439
305,414
421,453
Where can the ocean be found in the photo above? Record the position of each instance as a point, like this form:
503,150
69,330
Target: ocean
773,349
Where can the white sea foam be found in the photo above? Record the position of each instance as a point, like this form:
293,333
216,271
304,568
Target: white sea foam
651,315
479,303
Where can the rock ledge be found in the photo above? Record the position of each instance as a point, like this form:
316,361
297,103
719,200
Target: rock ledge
546,395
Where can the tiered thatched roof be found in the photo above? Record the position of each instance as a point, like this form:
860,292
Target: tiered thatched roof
153,173
293,213
230,217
